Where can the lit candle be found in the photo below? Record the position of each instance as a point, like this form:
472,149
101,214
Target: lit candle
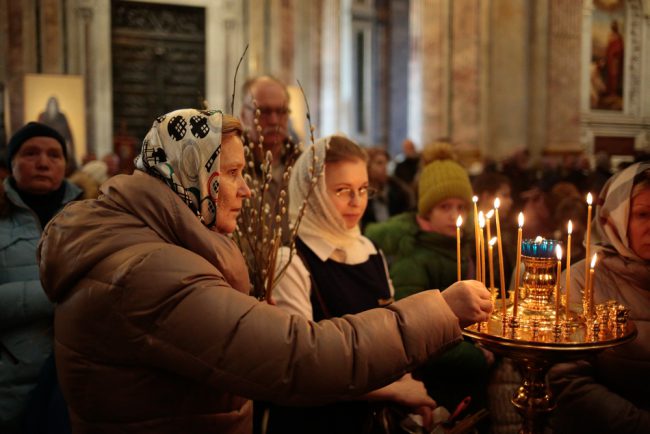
567,285
520,221
481,223
491,264
558,254
590,292
476,239
488,216
459,222
588,234
497,203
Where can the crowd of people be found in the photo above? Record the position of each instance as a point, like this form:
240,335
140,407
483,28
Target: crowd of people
126,308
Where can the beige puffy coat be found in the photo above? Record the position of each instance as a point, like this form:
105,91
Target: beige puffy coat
155,332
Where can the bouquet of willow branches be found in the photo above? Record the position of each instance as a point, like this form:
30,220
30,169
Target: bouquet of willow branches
264,219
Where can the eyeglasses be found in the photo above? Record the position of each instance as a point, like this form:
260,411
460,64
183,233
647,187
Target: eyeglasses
268,111
367,192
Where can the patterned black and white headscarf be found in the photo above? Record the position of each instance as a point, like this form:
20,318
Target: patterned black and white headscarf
182,149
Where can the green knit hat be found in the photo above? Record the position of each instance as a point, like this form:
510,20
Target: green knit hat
442,179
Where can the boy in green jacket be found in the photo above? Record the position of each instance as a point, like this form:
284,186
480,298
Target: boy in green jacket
421,249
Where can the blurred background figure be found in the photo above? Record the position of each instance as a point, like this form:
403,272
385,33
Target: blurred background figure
393,196
33,193
53,117
407,163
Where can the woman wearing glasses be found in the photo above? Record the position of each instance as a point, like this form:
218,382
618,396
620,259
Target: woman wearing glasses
336,271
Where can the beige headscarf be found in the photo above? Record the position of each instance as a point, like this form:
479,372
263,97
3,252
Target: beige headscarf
611,223
321,219
182,149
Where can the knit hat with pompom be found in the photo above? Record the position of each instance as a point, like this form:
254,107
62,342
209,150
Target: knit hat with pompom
442,178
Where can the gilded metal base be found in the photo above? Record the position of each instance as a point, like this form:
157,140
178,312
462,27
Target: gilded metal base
535,346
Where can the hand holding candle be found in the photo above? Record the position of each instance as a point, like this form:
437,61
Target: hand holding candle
459,223
558,254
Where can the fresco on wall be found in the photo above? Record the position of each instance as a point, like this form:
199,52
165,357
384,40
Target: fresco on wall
606,74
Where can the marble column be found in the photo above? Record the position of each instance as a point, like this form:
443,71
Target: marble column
51,37
429,71
564,78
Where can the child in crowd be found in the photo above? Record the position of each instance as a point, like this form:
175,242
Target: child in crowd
422,251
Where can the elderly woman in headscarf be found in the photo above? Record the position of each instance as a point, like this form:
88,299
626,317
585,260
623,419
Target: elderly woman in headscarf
611,392
154,329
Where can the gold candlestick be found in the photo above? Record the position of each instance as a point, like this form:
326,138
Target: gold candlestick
520,221
481,223
489,216
459,222
491,263
558,254
568,269
497,203
588,237
477,241
588,303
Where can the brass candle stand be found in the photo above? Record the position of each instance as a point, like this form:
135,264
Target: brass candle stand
540,336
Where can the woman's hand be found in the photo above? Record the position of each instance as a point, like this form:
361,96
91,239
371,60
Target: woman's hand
410,393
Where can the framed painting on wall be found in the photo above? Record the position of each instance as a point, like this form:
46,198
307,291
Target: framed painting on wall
607,68
58,101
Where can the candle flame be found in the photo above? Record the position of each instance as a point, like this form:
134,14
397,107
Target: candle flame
459,221
493,241
481,219
489,214
474,199
539,239
589,199
570,227
558,252
497,203
593,260
520,219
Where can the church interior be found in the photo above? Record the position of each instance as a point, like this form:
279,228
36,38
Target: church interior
528,105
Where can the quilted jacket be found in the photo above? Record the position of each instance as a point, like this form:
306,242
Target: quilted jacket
25,312
155,331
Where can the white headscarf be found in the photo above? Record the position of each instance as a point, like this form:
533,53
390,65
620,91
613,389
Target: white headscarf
321,219
182,149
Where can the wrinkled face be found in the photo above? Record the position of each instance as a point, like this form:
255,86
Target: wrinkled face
443,216
347,188
232,187
638,227
39,165
273,104
378,169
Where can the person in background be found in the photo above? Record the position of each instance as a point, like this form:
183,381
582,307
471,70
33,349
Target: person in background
270,96
421,249
29,198
408,162
155,330
336,271
392,195
609,393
